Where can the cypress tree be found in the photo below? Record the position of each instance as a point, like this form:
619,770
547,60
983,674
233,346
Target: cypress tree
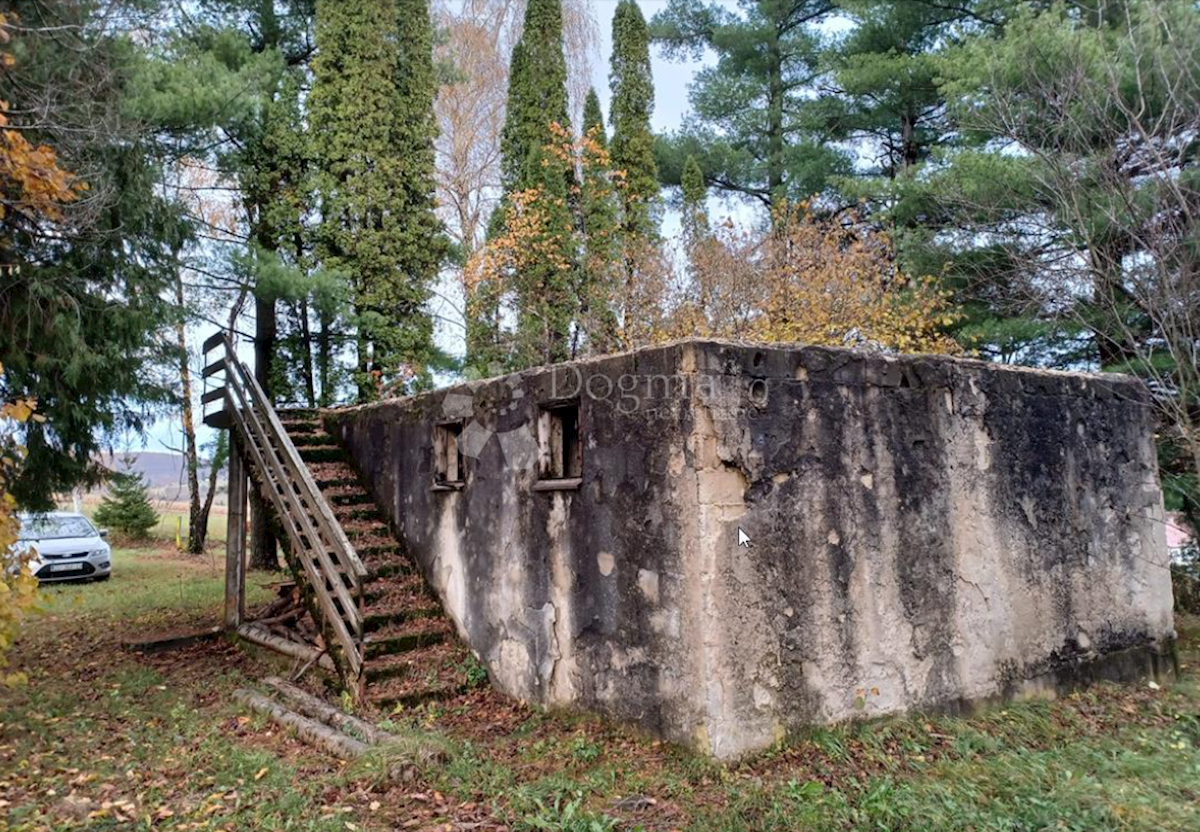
537,94
593,119
632,104
537,100
598,220
368,111
423,246
695,194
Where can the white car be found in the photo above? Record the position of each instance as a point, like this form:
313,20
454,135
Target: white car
67,546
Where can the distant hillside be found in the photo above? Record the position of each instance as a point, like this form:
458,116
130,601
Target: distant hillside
164,473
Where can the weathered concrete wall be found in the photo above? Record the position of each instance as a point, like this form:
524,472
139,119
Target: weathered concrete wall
924,532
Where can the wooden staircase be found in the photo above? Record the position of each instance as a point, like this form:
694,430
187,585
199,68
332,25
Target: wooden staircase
410,651
387,634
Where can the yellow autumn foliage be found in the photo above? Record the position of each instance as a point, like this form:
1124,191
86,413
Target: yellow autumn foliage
18,587
806,278
32,184
831,281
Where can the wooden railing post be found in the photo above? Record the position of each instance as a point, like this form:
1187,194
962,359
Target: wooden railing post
235,537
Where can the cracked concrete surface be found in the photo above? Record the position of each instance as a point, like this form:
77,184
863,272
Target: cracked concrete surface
926,532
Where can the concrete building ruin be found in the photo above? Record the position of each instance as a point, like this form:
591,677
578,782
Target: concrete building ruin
923,532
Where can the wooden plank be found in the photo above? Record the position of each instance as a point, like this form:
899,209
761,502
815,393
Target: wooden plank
353,564
213,368
219,419
214,395
309,705
161,645
213,340
235,539
285,646
300,534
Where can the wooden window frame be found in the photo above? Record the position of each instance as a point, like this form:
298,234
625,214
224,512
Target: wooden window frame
449,471
560,447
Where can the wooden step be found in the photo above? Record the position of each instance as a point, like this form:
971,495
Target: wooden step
296,429
410,679
390,598
322,453
402,637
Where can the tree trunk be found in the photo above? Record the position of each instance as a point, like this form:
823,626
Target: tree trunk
325,357
263,546
1111,329
306,356
910,152
365,392
195,543
200,534
775,120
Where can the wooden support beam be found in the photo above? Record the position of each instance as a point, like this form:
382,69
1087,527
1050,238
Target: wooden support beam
235,537
304,652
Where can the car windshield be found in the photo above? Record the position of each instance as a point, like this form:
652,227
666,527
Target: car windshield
49,526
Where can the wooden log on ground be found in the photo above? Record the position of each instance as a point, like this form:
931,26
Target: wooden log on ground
311,731
159,645
310,705
265,638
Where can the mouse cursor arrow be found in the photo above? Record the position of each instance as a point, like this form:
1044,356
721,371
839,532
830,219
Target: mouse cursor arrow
743,538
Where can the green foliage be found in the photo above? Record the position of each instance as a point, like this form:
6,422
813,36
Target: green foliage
599,212
593,119
632,149
564,814
371,100
536,122
85,299
126,507
537,95
695,196
474,671
752,129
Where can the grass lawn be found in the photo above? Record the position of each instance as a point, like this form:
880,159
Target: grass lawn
102,738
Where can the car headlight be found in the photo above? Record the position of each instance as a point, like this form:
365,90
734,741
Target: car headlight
98,553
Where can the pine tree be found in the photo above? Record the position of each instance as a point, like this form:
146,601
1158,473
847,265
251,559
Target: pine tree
86,299
753,128
126,507
632,105
369,119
